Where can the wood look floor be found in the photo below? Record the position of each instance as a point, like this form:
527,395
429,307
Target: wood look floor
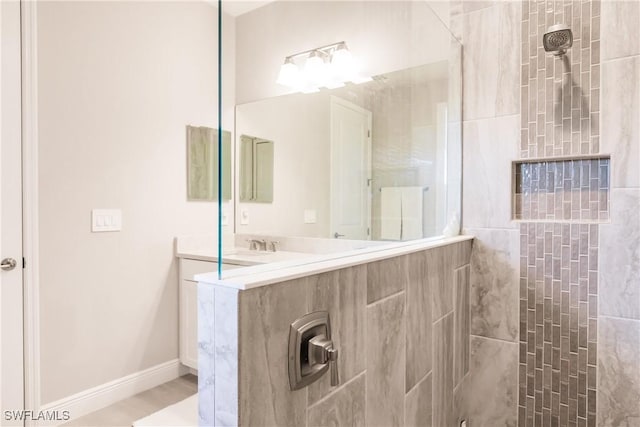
125,412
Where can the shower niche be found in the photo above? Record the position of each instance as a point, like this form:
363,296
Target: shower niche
561,189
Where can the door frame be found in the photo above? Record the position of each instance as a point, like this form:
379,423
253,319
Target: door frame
30,236
334,100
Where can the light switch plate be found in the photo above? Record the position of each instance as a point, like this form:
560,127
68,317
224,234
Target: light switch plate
106,220
244,217
310,216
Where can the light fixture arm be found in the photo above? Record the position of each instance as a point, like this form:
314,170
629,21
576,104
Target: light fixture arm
324,50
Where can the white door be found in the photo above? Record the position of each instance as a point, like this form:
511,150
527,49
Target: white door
11,304
350,171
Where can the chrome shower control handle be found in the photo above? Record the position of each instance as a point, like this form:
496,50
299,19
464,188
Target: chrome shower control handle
333,367
321,351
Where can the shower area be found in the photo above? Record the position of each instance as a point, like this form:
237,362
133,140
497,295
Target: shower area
535,314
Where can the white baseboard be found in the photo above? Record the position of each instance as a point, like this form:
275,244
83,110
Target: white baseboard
96,398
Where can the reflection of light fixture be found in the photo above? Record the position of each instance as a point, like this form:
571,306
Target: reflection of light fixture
329,66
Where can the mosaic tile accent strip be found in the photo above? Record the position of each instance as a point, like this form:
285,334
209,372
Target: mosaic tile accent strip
560,96
562,190
560,117
558,324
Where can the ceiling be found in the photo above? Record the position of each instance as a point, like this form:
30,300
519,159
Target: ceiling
239,7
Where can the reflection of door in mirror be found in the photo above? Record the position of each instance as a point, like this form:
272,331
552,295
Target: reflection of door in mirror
256,170
350,170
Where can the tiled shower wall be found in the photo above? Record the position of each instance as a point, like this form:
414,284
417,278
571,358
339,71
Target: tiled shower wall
559,115
560,97
496,134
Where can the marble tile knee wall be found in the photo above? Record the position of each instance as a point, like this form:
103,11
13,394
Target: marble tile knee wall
399,363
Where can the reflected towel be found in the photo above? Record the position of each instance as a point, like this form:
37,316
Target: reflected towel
391,213
412,212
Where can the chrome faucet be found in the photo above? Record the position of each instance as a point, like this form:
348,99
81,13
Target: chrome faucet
273,245
257,244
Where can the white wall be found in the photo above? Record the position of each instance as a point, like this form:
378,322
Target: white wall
384,35
118,83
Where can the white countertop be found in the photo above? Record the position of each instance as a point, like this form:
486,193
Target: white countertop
244,257
296,267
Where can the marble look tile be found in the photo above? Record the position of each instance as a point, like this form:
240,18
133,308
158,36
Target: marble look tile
619,29
461,325
440,281
489,147
491,79
619,279
386,277
343,293
492,396
206,356
226,356
620,124
345,407
386,362
618,372
472,5
265,316
417,404
443,371
419,322
494,300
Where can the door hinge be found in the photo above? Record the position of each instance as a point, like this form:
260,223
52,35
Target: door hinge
368,133
24,263
367,231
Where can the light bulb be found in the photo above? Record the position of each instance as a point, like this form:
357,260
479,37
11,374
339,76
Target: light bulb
315,71
342,65
289,74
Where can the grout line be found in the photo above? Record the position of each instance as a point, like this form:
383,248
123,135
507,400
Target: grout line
383,299
334,391
420,381
620,58
490,118
443,316
602,316
495,339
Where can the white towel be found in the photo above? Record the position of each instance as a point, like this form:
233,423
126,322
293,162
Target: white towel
390,213
412,212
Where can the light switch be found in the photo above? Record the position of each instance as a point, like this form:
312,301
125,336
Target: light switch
310,216
244,217
106,220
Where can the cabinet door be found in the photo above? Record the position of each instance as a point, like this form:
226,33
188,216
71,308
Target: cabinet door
189,323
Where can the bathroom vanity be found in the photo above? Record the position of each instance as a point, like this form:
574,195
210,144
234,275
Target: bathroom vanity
197,256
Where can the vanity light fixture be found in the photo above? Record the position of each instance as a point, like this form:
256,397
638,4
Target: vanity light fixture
328,66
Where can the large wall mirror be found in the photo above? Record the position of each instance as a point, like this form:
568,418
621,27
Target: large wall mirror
373,157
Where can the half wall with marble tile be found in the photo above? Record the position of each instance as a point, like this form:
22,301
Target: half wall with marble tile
401,326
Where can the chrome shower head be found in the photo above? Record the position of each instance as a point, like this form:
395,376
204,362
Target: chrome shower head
557,39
